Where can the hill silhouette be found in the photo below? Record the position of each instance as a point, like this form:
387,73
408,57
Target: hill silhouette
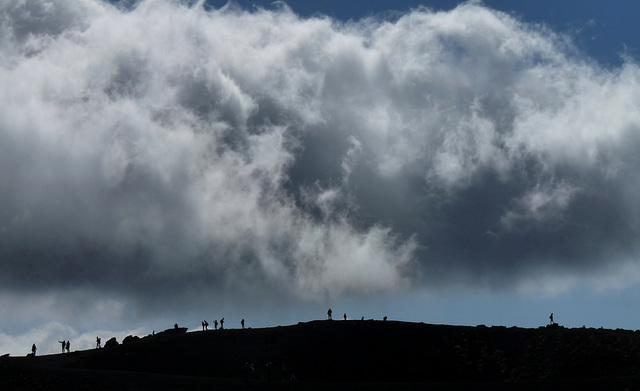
344,355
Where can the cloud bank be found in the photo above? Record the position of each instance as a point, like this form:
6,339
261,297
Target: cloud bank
164,148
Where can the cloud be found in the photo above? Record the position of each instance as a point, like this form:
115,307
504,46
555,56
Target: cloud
540,205
164,149
141,146
47,337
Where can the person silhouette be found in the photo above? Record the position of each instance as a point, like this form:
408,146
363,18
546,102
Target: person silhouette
206,325
268,369
345,316
551,318
33,349
329,313
242,323
249,370
68,345
98,342
215,324
221,323
385,318
175,325
64,343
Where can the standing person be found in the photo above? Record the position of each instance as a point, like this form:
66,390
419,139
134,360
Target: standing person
221,323
268,368
215,324
242,323
551,318
329,313
206,325
64,343
98,342
345,316
68,344
33,349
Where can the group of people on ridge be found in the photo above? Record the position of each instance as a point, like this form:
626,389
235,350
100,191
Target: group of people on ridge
205,324
329,313
65,345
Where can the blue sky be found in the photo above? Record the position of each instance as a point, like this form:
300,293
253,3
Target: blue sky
457,163
602,29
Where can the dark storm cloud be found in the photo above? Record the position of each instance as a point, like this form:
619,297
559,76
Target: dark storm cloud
166,148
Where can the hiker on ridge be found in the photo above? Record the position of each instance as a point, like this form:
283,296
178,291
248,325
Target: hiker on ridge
329,313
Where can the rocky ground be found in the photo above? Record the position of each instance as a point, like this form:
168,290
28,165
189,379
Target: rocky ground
330,355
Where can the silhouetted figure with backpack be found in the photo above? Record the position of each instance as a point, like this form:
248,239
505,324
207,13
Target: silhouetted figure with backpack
551,318
329,313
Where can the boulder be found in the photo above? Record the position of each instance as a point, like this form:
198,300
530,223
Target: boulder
175,330
130,338
111,343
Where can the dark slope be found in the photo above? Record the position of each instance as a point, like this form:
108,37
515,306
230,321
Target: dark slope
369,352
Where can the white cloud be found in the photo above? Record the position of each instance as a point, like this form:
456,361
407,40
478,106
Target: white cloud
133,129
543,204
169,146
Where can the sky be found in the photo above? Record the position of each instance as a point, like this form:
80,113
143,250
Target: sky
446,162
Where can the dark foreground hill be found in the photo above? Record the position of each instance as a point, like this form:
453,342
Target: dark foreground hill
328,355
